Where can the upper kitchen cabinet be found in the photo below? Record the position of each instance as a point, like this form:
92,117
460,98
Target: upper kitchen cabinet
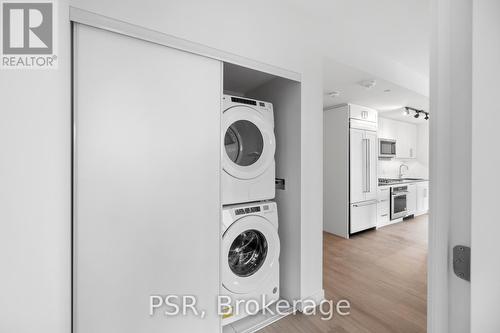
404,133
362,113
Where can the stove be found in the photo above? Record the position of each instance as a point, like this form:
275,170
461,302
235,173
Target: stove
385,181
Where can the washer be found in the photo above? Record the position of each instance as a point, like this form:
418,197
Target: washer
248,166
249,256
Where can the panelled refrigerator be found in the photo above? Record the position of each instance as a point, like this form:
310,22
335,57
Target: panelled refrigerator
350,169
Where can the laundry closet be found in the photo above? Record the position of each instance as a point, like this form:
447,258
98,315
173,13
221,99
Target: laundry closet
163,185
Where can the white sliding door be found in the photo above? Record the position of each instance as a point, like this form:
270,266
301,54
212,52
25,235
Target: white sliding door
146,183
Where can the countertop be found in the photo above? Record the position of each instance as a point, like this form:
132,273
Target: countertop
403,181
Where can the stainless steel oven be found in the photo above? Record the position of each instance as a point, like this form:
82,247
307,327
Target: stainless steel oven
386,148
398,202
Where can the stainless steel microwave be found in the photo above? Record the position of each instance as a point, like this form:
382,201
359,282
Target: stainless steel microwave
386,148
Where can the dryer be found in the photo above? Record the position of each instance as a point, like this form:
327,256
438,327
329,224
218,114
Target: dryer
250,252
248,166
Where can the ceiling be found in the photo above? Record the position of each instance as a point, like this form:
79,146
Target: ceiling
384,40
386,97
395,30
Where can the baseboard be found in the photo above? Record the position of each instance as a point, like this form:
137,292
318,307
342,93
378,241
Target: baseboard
391,222
256,322
316,299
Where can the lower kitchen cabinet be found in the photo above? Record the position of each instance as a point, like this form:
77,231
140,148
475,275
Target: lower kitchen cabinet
411,199
383,206
422,198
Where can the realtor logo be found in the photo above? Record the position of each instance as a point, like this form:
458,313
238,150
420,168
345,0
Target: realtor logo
28,35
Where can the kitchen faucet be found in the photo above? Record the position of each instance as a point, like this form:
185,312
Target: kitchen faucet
401,170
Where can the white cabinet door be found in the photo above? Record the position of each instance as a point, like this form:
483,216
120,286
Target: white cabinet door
406,139
372,181
363,113
357,165
386,129
411,199
422,197
146,183
412,141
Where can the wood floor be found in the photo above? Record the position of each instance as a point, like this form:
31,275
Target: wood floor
382,273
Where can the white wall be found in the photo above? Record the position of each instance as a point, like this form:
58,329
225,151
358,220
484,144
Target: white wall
418,167
35,195
485,290
35,145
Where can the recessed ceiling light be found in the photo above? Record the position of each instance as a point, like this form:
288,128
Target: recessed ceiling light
333,94
368,84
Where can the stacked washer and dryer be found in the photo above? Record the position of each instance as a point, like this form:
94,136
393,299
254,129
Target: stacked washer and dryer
250,245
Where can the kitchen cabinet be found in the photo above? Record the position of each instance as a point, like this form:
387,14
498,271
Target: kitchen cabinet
422,198
411,199
363,113
406,140
404,133
383,206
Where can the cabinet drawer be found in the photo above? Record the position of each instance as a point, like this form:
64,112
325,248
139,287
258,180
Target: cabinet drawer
384,193
383,207
363,216
383,219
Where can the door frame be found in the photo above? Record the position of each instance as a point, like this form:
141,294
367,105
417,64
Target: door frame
448,303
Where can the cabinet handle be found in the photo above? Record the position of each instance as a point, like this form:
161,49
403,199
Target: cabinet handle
368,203
368,169
384,215
365,166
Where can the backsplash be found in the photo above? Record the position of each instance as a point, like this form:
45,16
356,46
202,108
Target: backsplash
390,168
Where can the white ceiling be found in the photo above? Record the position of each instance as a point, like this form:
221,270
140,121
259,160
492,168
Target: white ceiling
385,40
387,97
395,30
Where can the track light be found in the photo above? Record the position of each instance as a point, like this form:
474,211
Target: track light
417,112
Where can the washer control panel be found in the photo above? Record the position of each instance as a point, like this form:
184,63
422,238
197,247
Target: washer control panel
251,209
247,210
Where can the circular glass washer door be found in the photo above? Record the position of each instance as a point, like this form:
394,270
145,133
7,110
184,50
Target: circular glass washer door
249,142
250,250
